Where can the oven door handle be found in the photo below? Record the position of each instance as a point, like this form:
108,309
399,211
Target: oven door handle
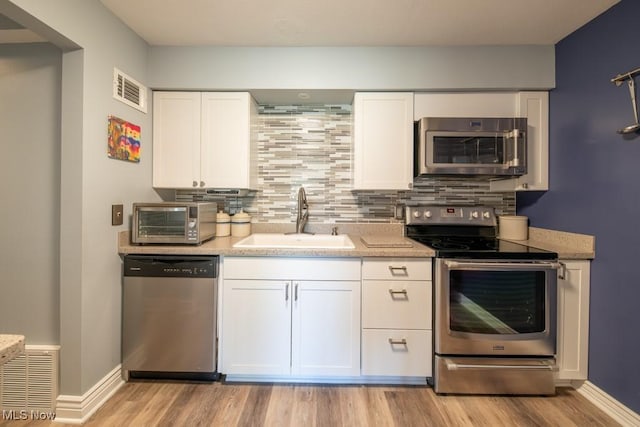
508,265
452,366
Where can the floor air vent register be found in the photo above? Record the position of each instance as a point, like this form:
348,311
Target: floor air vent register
30,382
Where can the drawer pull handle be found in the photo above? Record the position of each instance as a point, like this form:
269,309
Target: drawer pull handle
402,292
393,269
403,341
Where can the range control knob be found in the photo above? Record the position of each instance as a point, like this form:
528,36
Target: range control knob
486,215
427,214
416,214
474,214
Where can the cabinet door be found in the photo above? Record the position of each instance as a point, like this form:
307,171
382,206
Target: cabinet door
573,321
226,151
176,140
383,141
326,328
256,329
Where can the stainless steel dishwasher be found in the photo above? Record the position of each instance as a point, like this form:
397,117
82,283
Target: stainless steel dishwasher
169,317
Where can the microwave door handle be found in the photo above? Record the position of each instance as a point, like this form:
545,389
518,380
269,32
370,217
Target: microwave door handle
514,136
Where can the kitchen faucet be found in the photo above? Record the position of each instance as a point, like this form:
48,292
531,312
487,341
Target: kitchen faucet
303,211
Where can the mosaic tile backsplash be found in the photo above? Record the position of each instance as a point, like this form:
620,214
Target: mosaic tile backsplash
311,146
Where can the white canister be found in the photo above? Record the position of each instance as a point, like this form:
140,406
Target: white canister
514,227
223,224
241,224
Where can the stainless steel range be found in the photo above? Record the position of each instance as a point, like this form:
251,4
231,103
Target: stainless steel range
495,304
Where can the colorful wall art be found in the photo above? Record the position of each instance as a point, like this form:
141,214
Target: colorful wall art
124,140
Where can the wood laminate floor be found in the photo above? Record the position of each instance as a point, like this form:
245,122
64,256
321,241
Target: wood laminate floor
152,403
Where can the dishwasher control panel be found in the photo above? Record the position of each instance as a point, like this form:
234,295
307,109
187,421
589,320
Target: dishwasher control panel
171,266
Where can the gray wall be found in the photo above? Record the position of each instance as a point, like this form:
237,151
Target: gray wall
90,268
30,80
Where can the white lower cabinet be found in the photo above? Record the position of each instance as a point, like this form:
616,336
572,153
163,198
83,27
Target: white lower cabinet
326,329
396,317
290,317
573,320
257,332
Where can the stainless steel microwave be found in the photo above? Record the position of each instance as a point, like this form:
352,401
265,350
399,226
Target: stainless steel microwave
471,146
173,222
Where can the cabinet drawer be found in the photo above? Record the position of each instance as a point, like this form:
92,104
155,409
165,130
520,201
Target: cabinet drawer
396,353
396,304
396,268
286,268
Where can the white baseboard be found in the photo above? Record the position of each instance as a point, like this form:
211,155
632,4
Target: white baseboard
616,410
78,409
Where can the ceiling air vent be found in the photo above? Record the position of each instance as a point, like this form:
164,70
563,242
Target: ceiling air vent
129,91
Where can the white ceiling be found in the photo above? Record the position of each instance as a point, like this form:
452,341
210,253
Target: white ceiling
355,22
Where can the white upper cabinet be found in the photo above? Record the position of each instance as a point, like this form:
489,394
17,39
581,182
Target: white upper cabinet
535,107
176,139
464,104
383,141
532,105
204,140
229,156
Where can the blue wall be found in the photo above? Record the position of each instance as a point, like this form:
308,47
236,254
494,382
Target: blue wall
595,187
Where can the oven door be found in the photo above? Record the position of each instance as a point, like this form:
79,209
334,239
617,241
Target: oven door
495,308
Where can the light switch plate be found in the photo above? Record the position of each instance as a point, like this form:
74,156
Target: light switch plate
117,212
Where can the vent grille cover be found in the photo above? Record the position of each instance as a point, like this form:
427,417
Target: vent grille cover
30,381
129,91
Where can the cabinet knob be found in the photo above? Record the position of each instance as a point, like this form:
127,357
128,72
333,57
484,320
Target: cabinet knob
195,183
201,183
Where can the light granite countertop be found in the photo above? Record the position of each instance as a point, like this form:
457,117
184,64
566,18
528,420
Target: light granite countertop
224,246
567,245
11,346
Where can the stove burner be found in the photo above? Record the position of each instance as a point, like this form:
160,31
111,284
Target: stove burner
440,245
459,243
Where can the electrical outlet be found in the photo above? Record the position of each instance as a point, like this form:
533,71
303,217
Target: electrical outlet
399,212
117,213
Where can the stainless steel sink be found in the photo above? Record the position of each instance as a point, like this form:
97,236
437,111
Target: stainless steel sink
302,241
